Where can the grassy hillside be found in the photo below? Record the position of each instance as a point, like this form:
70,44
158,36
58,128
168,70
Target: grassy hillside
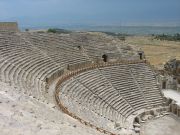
157,51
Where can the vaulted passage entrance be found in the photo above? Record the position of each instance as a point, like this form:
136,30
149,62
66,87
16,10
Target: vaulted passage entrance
164,85
105,57
140,56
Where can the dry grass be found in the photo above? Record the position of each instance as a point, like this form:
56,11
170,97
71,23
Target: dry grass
156,51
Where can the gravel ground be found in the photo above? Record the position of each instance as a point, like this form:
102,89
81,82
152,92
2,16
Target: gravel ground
167,125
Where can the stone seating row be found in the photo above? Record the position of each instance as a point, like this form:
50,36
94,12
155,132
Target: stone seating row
25,66
86,98
147,82
111,92
90,89
56,48
123,82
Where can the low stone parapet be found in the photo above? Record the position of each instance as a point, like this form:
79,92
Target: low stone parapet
9,27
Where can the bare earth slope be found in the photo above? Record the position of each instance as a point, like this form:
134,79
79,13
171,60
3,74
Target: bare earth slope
23,115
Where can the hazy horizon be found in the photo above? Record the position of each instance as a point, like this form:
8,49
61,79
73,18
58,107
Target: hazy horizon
44,13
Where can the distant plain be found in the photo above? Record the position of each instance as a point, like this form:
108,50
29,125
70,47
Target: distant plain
157,52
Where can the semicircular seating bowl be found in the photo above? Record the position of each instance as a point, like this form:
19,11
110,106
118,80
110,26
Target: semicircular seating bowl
113,93
27,60
101,96
26,63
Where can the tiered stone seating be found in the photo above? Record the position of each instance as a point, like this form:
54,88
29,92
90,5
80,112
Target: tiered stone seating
62,51
113,92
94,92
100,96
26,64
21,65
82,102
96,82
145,78
96,46
123,82
89,106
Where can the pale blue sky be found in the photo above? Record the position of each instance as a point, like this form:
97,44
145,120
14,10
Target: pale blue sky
90,12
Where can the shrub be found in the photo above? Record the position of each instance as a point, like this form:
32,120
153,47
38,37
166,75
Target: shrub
51,31
175,37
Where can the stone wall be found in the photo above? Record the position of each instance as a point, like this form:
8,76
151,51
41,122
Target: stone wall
167,82
173,106
170,76
8,27
147,115
175,109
